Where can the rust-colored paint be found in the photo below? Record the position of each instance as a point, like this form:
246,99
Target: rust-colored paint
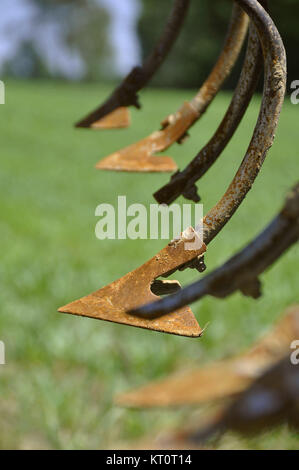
220,379
112,302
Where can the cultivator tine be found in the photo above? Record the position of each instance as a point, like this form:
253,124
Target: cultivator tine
239,273
182,182
118,119
112,302
114,113
242,271
222,379
250,413
126,294
140,156
261,142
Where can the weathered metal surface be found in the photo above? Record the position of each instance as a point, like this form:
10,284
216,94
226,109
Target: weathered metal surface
261,142
118,294
233,43
220,379
183,182
230,52
120,118
264,133
271,400
139,156
242,271
126,93
112,302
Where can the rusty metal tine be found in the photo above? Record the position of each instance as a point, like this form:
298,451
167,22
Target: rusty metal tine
245,414
220,379
126,93
264,133
140,155
182,182
261,142
233,43
112,302
241,272
236,34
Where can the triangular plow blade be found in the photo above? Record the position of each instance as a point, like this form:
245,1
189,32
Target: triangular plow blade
193,388
140,156
118,119
134,289
181,322
221,379
134,159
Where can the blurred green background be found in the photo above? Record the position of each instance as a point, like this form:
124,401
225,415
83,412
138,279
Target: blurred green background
62,372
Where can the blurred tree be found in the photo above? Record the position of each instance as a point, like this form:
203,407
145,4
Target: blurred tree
285,14
70,38
87,33
200,42
65,36
26,63
84,24
198,45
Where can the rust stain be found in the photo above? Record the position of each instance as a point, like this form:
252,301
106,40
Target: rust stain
241,271
112,302
220,379
126,93
118,119
183,182
261,141
139,157
264,133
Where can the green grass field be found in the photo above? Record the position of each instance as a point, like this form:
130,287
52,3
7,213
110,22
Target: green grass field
62,372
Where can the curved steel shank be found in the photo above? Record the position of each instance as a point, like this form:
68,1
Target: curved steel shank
140,156
113,113
241,272
261,142
112,302
182,182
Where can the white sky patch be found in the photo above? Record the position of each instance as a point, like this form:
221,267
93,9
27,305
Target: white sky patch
60,59
16,18
123,35
18,24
